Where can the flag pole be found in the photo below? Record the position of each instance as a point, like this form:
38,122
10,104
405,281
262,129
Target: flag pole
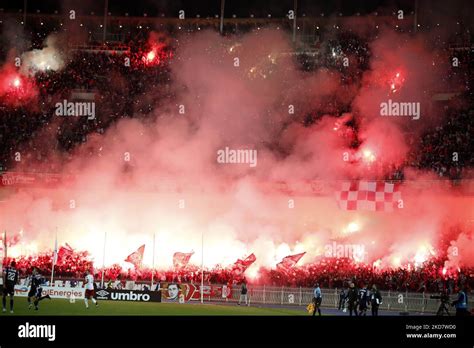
202,266
153,262
55,253
103,261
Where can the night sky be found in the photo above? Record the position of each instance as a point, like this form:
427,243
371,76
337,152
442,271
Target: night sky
241,8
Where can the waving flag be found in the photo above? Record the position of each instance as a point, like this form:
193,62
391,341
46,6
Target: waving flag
64,251
240,266
136,257
290,261
181,260
369,195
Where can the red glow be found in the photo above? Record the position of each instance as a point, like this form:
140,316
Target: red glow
368,156
155,53
150,56
396,82
14,88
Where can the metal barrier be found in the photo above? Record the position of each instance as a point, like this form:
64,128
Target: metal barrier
396,301
391,301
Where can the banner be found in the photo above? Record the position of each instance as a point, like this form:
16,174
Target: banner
294,187
63,292
18,179
173,292
128,295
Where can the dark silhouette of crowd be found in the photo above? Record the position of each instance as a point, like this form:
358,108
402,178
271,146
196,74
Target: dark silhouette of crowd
123,91
340,272
447,149
120,82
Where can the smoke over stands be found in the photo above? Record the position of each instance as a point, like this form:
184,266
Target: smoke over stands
159,173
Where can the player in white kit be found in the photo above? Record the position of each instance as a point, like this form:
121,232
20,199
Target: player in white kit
90,292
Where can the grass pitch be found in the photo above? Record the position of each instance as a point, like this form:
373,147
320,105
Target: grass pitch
123,308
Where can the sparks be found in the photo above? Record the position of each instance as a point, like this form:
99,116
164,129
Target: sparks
396,82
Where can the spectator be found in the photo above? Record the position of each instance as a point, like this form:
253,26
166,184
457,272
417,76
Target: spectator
352,300
375,300
461,304
317,299
243,293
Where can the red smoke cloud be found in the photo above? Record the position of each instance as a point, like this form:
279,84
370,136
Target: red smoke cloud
238,94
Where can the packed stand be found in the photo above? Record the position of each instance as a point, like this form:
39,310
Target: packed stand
328,272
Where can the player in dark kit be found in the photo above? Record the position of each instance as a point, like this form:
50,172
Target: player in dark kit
363,301
352,299
36,290
9,281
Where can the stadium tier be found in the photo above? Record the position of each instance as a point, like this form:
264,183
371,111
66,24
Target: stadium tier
288,148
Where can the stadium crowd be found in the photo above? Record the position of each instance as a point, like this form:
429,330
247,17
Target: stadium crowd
88,72
128,96
328,272
123,91
438,147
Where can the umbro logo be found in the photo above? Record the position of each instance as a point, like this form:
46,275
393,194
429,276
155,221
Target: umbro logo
102,293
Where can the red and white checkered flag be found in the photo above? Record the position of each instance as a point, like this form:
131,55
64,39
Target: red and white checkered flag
369,195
